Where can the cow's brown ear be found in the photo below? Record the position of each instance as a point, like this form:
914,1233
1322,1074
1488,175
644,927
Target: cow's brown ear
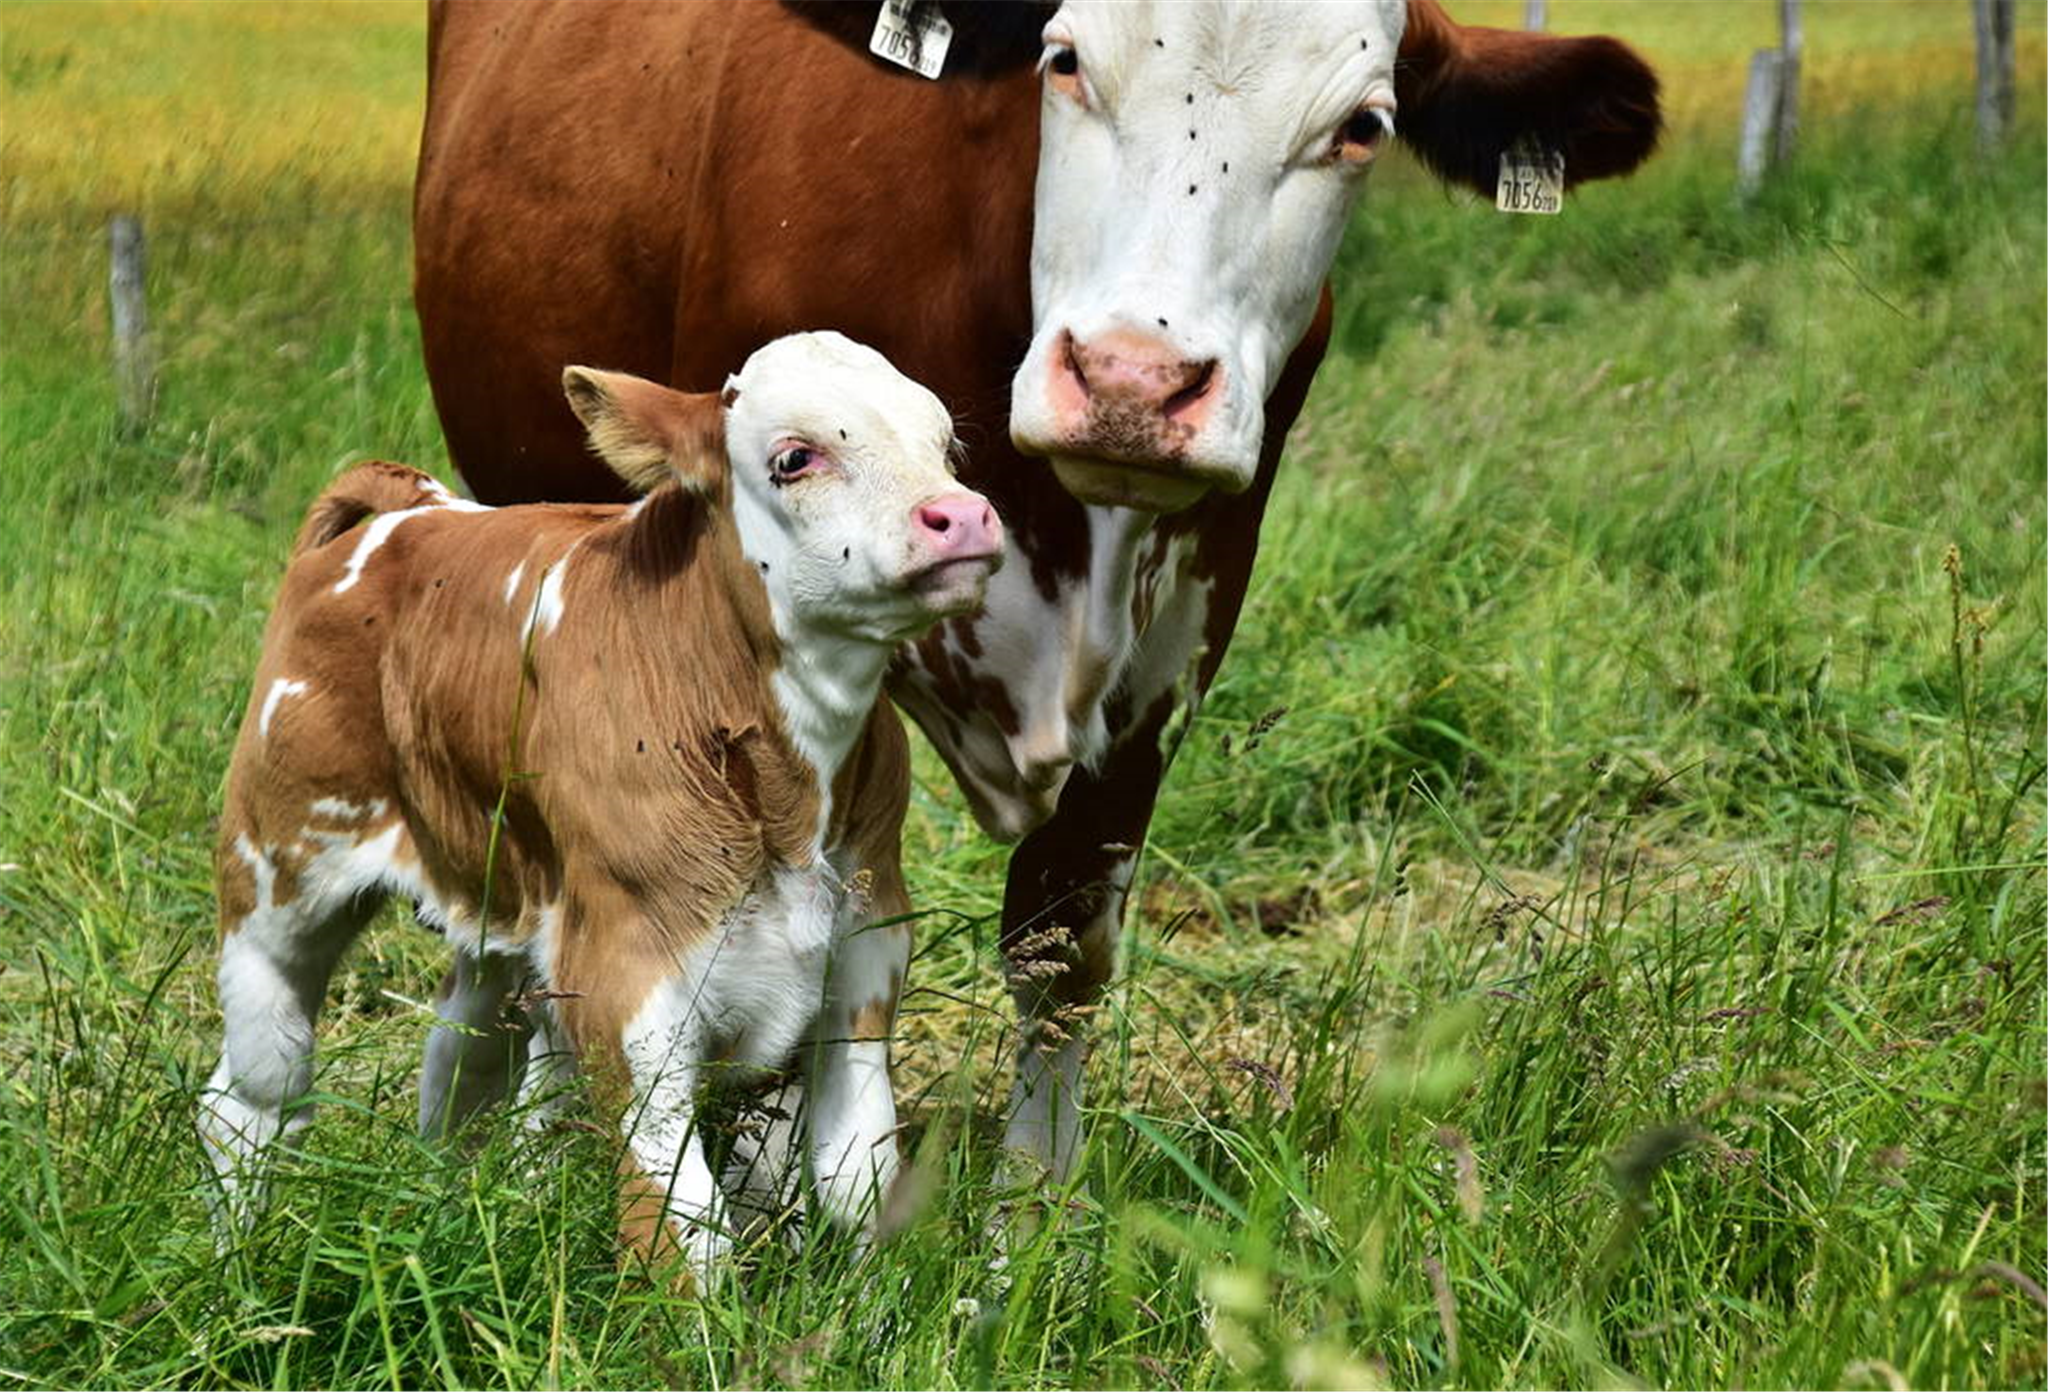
1466,94
648,433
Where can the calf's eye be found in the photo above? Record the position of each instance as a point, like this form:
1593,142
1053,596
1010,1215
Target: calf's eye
789,463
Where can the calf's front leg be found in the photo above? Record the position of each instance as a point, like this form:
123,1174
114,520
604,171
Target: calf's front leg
849,1104
670,1202
645,1047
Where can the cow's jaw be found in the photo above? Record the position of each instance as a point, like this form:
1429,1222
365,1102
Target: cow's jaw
1191,194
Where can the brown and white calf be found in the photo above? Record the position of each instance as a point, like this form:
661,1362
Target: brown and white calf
633,752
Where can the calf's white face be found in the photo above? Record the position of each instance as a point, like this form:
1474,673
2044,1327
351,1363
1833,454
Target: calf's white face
841,478
844,492
1197,162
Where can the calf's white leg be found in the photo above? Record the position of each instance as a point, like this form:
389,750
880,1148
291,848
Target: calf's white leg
276,956
473,1053
850,1108
673,1201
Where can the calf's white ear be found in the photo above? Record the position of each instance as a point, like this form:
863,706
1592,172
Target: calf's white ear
649,433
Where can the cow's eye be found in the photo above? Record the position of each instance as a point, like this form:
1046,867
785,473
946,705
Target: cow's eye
1062,65
1359,139
792,462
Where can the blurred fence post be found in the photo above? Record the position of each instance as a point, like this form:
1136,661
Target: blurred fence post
134,368
1994,19
1791,48
1535,13
1759,115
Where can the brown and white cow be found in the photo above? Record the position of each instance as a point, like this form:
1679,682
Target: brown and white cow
1101,235
634,753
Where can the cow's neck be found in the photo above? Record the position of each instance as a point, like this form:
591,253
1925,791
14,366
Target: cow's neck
1086,654
1104,618
1038,665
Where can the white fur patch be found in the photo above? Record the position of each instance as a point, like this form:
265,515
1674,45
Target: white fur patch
279,689
342,810
375,535
512,582
448,499
545,615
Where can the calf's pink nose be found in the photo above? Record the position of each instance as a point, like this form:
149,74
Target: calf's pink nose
958,526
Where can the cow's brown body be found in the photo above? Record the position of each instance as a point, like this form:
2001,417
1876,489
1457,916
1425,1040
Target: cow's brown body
660,187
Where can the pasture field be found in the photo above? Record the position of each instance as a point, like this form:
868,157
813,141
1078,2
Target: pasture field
1593,934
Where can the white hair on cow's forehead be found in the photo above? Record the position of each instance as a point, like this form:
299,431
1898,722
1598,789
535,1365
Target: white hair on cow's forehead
824,382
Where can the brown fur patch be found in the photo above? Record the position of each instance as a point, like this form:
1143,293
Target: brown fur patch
645,1231
877,1019
1467,93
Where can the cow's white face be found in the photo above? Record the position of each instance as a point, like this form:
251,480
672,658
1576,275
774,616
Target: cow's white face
1197,162
844,493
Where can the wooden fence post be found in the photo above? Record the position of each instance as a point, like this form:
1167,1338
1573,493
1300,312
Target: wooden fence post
1535,13
134,369
1791,48
1759,115
1994,21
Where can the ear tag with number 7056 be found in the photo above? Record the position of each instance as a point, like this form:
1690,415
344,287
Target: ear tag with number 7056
912,34
1531,179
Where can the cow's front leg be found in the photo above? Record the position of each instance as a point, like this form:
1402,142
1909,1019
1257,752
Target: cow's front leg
1061,918
849,1104
1063,904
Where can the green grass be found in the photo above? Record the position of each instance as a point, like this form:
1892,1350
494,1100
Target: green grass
1618,962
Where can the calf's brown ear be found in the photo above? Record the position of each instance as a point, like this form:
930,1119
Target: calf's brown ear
647,432
1466,94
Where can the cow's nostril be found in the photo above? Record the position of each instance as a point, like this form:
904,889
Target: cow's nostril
934,519
1195,390
1072,362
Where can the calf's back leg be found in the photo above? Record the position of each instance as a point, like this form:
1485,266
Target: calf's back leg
287,917
475,1051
